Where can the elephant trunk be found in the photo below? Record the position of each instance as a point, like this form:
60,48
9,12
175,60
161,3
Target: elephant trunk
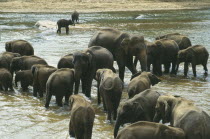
16,80
177,66
117,126
157,118
142,57
77,76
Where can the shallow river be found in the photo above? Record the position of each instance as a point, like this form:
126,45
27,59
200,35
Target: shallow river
24,116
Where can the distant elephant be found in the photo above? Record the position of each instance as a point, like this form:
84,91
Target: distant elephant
183,113
123,47
25,77
142,82
75,17
195,55
6,58
110,87
150,130
20,46
182,40
25,63
66,62
87,63
64,23
82,118
41,74
5,80
60,84
139,108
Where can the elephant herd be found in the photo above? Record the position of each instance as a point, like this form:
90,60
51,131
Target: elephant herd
144,108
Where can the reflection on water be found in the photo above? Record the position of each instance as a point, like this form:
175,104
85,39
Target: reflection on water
24,116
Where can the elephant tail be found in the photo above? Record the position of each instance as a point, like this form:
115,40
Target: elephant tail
90,115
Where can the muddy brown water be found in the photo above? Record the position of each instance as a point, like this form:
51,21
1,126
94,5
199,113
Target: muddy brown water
24,116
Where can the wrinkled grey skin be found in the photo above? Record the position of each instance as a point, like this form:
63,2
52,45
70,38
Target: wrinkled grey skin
150,130
142,82
123,47
19,46
41,74
82,118
110,88
183,113
25,78
25,63
182,40
75,17
140,108
5,80
87,63
64,23
195,55
60,84
66,62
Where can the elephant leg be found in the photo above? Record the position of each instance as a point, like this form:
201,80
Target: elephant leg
40,92
67,30
76,90
59,30
48,98
71,129
1,87
6,87
67,99
104,104
130,65
88,85
98,93
59,100
186,68
83,84
173,70
167,67
10,87
121,66
35,90
205,68
194,69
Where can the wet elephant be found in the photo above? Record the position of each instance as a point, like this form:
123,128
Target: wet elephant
20,46
25,78
75,16
66,62
123,47
5,79
64,23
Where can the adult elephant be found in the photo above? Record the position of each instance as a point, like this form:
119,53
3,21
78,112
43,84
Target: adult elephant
19,46
123,47
25,62
41,74
140,108
75,17
87,63
5,79
183,113
150,130
66,62
182,40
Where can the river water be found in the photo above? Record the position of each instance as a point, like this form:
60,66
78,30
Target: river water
24,116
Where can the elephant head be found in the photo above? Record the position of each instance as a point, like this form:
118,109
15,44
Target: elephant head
16,64
99,74
70,22
135,75
184,56
154,79
8,46
135,46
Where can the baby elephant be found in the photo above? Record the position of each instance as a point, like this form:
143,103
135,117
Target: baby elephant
82,117
110,88
75,16
140,82
195,55
150,130
25,77
64,23
5,79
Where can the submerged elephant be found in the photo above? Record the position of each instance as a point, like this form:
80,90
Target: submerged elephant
60,84
66,62
195,55
141,82
123,47
64,23
75,16
183,113
182,40
110,88
5,80
140,108
87,63
25,77
41,74
150,130
82,117
19,46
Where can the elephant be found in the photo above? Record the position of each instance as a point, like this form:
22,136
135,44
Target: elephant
183,113
25,63
150,130
5,80
110,87
41,74
22,47
64,23
123,47
142,82
195,55
66,62
75,17
82,117
60,83
182,40
6,58
139,108
87,63
25,77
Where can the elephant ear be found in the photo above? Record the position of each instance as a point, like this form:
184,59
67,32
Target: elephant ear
71,102
137,39
154,79
90,57
125,45
99,74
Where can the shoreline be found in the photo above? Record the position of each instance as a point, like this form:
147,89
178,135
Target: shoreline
49,6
